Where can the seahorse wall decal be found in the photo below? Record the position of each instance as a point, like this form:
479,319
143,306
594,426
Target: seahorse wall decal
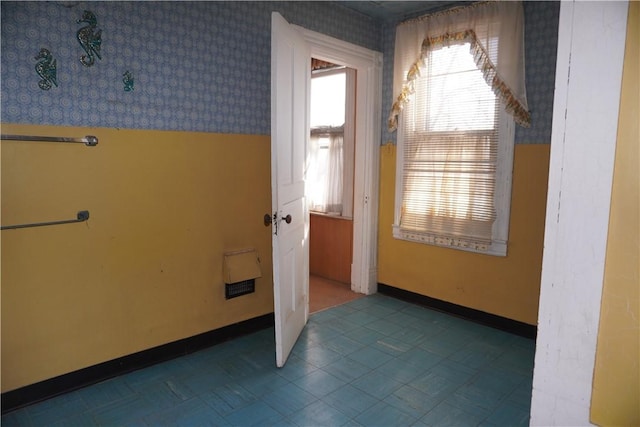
89,40
127,79
46,69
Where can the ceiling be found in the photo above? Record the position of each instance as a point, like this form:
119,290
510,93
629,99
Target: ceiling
395,11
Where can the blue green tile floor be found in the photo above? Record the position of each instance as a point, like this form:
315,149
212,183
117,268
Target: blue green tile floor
375,361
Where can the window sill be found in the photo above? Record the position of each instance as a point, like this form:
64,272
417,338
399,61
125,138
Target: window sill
331,215
495,248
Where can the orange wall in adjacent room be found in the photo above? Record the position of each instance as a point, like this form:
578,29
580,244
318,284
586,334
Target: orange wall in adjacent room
505,286
146,269
331,247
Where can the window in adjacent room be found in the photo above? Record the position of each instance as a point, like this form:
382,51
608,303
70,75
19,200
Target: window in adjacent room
331,147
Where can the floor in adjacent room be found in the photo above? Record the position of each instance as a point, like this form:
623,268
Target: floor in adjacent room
327,293
374,361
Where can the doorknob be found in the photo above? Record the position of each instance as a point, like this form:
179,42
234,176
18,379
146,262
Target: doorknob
268,219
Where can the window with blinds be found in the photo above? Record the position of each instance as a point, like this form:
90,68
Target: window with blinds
454,158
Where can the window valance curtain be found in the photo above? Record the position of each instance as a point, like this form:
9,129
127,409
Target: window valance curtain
481,25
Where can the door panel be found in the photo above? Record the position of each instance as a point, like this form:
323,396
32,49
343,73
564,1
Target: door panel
290,71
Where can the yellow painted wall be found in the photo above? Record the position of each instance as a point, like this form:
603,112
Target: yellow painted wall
146,269
505,286
616,384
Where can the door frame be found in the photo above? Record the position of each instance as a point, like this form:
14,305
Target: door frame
591,45
368,66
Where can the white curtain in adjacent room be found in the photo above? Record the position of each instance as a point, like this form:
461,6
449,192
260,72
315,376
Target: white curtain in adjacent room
326,171
329,177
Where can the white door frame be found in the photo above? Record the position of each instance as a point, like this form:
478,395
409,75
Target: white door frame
591,42
368,64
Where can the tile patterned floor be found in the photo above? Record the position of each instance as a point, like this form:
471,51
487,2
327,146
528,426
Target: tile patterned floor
375,361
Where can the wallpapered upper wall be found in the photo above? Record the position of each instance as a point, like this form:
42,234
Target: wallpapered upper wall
197,66
541,40
204,66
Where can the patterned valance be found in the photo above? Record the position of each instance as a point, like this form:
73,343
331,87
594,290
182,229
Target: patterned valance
501,27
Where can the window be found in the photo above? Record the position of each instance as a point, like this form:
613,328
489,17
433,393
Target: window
455,120
330,172
454,142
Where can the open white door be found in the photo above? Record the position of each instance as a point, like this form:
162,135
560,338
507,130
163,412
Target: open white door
290,71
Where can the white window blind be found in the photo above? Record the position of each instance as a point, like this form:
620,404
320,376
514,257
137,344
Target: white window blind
458,89
450,134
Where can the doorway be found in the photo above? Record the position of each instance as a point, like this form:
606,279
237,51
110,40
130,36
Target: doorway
292,48
367,66
329,189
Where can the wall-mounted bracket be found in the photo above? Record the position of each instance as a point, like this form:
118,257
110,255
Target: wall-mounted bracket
81,217
89,140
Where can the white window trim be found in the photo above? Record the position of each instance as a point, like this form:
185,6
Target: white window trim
350,142
502,195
